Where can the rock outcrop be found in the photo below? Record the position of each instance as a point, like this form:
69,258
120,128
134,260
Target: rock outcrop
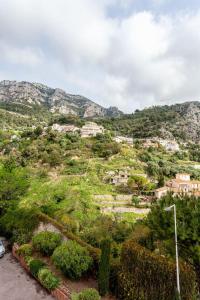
28,95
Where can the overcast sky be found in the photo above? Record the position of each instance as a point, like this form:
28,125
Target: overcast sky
126,53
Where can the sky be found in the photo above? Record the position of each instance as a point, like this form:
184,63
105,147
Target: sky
126,53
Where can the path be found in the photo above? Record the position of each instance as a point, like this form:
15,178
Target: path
16,284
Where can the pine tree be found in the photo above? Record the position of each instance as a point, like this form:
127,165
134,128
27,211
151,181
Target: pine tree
104,267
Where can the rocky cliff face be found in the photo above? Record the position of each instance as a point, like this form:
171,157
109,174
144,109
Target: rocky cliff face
29,95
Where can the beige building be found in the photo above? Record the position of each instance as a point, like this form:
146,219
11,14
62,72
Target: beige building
182,184
91,129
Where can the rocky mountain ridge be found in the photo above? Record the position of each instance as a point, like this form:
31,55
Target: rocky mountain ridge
180,121
18,95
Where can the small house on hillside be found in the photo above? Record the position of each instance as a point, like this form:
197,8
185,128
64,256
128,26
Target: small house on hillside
182,184
91,129
121,177
169,145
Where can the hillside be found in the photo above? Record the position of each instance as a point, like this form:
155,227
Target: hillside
179,121
40,101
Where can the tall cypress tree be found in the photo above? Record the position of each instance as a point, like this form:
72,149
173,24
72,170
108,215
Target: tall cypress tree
104,267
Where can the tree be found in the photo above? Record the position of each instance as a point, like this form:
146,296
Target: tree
137,182
104,268
161,180
13,184
161,224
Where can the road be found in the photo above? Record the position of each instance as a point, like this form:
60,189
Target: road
16,284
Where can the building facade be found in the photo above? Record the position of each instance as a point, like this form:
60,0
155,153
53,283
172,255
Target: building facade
91,129
182,184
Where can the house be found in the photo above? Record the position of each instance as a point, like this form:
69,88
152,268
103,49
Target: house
182,184
120,178
159,193
91,129
64,128
169,145
123,139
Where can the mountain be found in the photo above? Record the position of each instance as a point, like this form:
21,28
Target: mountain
180,121
33,99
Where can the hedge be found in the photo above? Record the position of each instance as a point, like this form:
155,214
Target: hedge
94,252
145,275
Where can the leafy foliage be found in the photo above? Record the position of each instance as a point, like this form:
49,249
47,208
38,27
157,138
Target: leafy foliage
72,259
46,242
19,224
146,275
47,279
104,268
87,294
35,266
25,250
13,184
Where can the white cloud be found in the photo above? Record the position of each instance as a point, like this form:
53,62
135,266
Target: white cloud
139,60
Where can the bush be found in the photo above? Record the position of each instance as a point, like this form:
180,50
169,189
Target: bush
47,279
104,268
146,275
28,260
87,294
46,242
25,250
35,266
72,259
18,224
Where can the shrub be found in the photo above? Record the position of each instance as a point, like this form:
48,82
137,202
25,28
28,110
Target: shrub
104,268
46,242
35,266
28,260
18,224
72,259
146,275
87,294
24,250
47,279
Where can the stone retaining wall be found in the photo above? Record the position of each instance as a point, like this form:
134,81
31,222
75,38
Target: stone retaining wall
60,293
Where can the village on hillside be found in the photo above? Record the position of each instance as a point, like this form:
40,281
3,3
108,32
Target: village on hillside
80,182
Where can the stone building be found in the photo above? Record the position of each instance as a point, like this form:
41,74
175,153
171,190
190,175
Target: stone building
91,129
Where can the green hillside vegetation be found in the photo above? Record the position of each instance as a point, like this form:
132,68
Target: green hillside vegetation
59,174
149,122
